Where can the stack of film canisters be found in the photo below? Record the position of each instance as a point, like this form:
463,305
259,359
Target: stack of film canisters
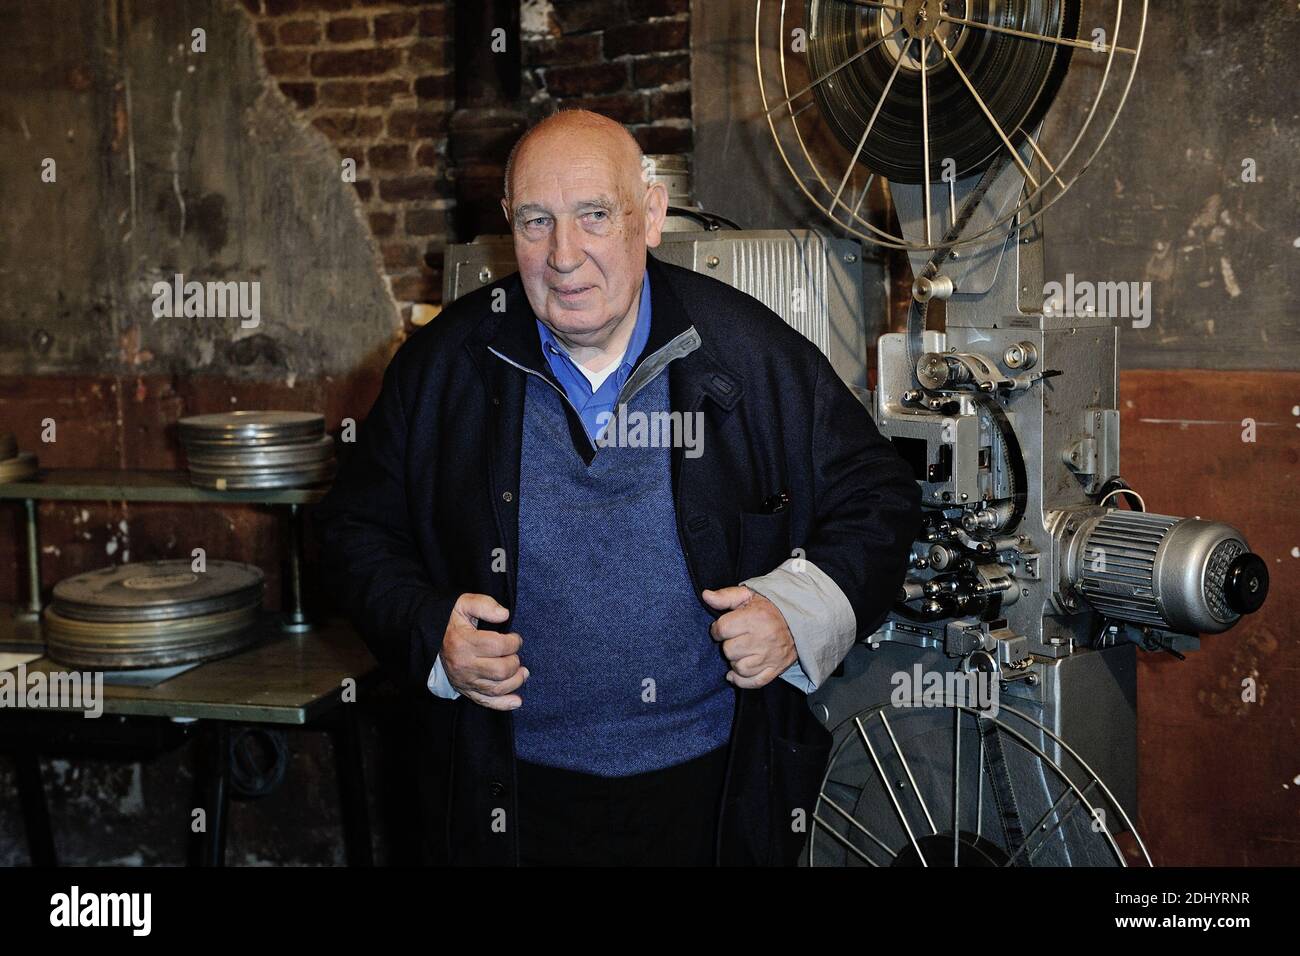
232,451
15,465
153,614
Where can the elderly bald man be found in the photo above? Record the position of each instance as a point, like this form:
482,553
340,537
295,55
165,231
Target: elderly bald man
607,524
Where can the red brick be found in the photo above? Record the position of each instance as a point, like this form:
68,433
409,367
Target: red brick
426,222
252,6
287,62
364,189
342,93
644,9
399,255
367,62
438,87
278,8
417,124
299,33
663,139
328,6
348,125
391,26
266,34
382,223
381,93
304,94
427,155
661,36
670,105
412,189
434,22
389,157
348,29
661,70
586,80
581,16
621,107
430,53
554,51
416,288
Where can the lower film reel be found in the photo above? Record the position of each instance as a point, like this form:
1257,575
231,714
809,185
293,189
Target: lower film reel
137,644
896,775
1017,77
153,614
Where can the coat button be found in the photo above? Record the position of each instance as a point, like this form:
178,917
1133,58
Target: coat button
507,497
496,788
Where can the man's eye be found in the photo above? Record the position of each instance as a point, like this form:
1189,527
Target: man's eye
598,215
539,221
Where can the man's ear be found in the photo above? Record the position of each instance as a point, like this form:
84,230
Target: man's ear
656,210
505,208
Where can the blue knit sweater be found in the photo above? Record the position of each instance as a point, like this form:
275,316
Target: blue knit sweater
624,677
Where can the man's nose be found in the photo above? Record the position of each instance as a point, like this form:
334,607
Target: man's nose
566,246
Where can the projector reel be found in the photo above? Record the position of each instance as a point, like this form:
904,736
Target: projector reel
956,786
934,92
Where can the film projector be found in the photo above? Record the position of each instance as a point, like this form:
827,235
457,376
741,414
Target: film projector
1027,577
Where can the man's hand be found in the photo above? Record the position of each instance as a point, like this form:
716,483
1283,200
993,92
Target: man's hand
482,665
755,637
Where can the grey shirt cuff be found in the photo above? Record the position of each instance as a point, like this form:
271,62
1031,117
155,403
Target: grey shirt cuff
817,611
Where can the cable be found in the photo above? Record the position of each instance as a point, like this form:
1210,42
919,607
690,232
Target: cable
711,220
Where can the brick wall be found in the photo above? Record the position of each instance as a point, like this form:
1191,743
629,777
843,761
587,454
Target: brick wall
375,76
628,59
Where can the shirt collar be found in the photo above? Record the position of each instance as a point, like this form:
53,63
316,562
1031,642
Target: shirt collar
635,345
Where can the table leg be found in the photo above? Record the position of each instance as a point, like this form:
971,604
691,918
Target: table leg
212,793
295,618
349,764
36,815
33,609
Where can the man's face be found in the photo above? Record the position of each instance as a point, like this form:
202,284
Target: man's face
582,218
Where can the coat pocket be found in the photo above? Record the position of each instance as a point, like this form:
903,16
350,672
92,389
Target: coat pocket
764,543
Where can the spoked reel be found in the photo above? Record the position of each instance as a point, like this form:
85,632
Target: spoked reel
957,786
932,92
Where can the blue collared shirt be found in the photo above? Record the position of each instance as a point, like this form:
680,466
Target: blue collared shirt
588,403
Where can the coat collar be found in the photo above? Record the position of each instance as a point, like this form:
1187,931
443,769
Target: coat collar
697,370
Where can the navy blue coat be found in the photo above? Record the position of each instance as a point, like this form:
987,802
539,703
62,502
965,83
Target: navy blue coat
431,489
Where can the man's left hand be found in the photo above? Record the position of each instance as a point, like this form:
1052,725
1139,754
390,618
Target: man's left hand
754,635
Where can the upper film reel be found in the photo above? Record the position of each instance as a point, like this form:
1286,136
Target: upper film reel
927,92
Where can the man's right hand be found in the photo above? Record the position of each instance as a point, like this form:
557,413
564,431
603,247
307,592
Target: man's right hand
482,665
